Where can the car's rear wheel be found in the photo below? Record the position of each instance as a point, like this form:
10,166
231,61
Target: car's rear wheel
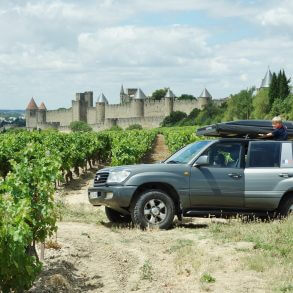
116,217
286,207
153,208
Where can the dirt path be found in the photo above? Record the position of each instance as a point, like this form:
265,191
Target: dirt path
160,151
96,256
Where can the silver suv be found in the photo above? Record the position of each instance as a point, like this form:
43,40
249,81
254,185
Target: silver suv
222,177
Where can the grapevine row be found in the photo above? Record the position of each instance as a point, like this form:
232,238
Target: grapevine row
30,164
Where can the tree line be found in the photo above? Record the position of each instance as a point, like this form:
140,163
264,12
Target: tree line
252,103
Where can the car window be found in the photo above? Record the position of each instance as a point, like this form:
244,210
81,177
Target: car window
224,155
286,155
264,154
187,153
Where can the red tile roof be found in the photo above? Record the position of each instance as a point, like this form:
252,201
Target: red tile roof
42,106
32,105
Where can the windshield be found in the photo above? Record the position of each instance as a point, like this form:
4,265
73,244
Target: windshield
186,154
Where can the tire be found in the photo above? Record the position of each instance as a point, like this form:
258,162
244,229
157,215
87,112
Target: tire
286,207
153,208
116,217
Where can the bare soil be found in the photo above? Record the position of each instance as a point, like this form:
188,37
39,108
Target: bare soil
97,256
159,152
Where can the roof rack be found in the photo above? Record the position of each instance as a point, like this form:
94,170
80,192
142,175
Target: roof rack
242,129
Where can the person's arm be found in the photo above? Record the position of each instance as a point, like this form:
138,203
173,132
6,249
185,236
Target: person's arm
266,135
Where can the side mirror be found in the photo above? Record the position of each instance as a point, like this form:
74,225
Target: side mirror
201,161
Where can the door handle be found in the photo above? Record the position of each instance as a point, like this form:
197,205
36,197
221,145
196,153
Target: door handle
285,175
235,175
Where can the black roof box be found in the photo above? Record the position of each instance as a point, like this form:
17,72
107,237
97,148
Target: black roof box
242,128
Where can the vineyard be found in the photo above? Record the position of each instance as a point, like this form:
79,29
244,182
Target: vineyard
34,164
31,166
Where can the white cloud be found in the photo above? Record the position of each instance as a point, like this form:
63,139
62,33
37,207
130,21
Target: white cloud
280,14
144,46
55,48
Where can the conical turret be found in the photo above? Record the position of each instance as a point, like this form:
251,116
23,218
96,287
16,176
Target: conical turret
205,94
32,105
122,90
102,99
42,106
266,82
169,94
139,95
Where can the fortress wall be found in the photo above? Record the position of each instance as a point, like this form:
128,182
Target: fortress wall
91,115
64,116
145,122
118,111
185,105
154,108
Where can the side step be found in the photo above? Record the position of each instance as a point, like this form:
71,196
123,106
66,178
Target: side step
227,213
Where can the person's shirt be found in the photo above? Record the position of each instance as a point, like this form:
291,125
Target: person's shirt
280,133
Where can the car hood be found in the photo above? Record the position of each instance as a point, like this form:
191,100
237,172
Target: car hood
159,167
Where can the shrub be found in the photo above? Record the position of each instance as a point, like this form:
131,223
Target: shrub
116,128
134,126
80,126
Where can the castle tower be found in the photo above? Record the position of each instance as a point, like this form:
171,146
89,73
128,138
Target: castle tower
137,104
79,107
41,113
169,101
266,81
89,98
101,108
204,98
31,114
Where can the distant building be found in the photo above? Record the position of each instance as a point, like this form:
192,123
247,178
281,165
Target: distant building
265,82
134,108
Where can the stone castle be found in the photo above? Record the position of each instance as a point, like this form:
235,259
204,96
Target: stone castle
134,108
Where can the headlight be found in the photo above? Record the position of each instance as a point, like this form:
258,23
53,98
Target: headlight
118,176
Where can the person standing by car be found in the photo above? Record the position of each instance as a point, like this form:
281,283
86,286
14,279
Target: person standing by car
280,130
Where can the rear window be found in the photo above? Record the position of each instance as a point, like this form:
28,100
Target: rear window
264,154
286,155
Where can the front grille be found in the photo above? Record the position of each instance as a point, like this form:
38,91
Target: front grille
101,178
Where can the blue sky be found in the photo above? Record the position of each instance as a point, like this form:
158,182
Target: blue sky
51,49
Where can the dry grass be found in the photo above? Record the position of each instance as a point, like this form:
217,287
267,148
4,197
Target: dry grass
52,244
81,213
273,248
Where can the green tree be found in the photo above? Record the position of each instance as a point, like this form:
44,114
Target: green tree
288,108
239,106
261,104
211,113
186,97
278,108
159,94
284,87
190,119
274,89
80,126
173,118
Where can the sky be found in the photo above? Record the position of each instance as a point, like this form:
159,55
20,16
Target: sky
51,49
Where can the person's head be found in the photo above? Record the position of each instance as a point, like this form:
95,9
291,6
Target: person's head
277,122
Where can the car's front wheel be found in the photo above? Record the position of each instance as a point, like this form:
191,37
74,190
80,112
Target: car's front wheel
116,217
153,208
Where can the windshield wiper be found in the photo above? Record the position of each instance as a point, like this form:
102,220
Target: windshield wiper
173,162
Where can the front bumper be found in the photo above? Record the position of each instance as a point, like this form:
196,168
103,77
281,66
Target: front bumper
115,196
